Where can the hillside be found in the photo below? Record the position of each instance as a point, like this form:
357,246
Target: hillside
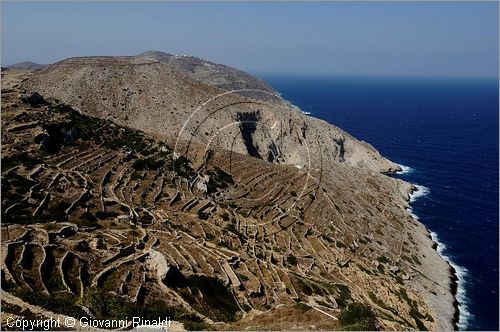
255,216
157,98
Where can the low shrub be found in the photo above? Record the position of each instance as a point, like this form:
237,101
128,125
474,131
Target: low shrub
358,317
105,214
301,306
107,306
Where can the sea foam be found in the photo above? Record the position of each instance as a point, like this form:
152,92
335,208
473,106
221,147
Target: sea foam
404,169
460,271
461,274
420,192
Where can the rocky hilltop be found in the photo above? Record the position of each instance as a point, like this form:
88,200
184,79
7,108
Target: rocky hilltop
221,76
142,186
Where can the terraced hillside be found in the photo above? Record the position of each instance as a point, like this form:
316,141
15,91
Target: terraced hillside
104,220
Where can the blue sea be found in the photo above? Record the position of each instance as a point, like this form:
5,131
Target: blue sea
446,132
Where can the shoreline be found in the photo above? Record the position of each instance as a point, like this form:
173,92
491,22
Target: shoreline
456,284
454,288
415,193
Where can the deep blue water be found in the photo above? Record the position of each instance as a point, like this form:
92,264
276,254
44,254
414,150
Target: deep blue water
447,132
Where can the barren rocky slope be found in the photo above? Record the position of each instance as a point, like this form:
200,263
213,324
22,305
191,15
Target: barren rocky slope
202,231
157,98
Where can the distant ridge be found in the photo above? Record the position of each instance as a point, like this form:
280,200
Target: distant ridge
26,65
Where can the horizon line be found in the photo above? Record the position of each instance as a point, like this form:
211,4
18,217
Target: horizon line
312,74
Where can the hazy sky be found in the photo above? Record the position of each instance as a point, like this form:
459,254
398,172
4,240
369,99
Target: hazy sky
382,38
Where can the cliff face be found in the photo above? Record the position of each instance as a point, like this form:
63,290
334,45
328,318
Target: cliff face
179,98
241,196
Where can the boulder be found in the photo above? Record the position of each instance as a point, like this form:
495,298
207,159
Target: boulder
394,269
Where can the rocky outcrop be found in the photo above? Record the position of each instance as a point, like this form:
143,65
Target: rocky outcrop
34,99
